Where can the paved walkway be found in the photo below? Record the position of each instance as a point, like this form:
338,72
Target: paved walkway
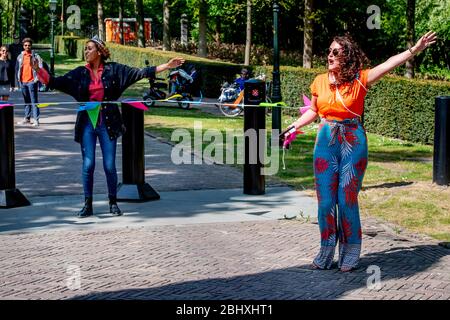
203,240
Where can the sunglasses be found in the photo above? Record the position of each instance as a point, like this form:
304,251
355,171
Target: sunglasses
335,52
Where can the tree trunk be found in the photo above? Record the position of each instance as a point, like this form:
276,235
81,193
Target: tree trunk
248,35
308,35
410,35
166,27
121,36
101,28
218,29
203,12
140,20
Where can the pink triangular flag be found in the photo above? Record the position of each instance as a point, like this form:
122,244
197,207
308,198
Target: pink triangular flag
306,101
307,105
137,105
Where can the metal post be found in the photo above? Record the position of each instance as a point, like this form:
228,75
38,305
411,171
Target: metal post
134,187
441,156
10,197
276,91
254,122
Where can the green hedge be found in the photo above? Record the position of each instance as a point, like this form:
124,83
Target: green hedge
395,106
212,73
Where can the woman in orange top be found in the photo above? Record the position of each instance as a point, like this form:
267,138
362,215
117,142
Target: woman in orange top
340,153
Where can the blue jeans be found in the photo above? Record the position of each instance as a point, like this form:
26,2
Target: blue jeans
30,97
108,146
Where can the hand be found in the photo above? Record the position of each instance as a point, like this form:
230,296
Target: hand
287,132
175,62
425,41
35,65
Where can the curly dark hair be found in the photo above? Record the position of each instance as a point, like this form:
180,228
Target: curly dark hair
352,59
101,47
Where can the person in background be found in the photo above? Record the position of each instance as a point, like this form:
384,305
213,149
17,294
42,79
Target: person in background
27,81
340,152
245,75
6,74
99,81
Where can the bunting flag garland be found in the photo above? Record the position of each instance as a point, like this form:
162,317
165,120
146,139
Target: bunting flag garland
43,105
175,98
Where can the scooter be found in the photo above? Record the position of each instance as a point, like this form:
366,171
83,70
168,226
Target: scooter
154,91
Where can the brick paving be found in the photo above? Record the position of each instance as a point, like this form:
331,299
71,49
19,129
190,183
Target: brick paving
245,260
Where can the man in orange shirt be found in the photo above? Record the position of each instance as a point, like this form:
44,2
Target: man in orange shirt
27,81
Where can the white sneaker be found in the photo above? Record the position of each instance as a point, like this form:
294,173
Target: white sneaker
24,121
35,123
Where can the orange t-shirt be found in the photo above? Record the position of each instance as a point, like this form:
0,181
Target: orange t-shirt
329,105
27,72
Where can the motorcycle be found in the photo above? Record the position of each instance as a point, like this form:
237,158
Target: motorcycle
154,91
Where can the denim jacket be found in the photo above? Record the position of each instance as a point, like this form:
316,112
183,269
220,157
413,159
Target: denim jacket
115,78
19,64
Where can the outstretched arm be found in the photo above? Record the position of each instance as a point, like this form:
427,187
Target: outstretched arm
173,63
380,70
131,75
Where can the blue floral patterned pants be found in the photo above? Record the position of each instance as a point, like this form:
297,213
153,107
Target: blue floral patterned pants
340,160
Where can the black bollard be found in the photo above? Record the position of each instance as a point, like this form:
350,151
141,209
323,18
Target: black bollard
134,187
10,197
254,121
441,156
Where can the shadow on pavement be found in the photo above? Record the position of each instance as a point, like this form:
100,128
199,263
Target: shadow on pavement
299,283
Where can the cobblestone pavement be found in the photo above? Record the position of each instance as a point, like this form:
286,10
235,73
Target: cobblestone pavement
246,260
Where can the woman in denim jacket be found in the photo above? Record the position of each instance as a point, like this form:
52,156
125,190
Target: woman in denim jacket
100,81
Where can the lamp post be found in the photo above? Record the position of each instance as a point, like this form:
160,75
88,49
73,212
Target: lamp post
276,92
52,5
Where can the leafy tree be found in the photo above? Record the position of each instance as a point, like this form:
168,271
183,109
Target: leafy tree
101,24
248,40
410,21
308,34
202,18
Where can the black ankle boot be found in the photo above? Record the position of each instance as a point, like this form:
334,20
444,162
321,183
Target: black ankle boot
87,210
113,208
